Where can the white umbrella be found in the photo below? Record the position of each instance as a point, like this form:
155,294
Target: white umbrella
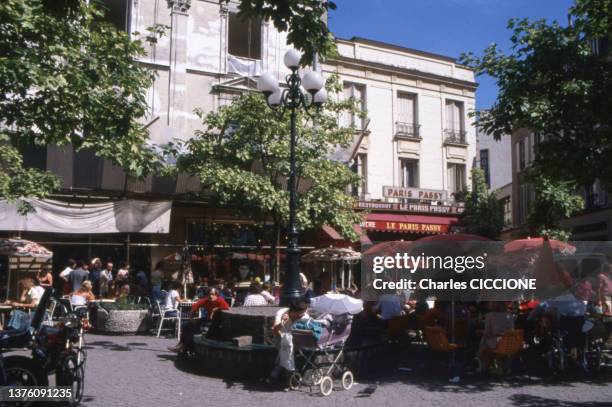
336,304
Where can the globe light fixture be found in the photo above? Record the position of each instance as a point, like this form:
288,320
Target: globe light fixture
300,93
313,82
267,84
292,59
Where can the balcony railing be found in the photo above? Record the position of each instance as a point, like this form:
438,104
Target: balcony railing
452,136
407,130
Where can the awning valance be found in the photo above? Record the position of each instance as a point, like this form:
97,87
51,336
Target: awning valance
392,222
124,216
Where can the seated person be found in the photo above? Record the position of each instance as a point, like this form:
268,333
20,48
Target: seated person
213,304
255,299
124,294
284,320
265,292
497,321
83,295
389,306
31,293
174,297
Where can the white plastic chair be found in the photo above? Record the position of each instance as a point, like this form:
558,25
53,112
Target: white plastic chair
165,315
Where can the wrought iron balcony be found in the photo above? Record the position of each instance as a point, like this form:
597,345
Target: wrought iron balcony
407,130
452,136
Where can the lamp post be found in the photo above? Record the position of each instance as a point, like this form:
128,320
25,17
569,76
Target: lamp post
291,99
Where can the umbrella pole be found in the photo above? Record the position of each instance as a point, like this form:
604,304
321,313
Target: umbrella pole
453,326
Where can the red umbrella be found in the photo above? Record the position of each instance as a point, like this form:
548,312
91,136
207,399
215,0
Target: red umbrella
536,243
388,248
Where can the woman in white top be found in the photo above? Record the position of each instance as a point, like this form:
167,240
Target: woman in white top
30,294
124,272
255,299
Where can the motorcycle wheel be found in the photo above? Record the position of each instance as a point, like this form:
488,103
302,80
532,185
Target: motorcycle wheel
72,374
23,371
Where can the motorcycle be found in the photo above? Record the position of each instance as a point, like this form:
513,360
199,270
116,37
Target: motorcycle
56,350
17,370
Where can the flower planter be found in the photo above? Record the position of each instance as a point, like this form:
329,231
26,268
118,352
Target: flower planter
122,321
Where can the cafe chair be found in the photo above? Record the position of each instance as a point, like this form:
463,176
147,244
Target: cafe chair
510,344
164,315
437,341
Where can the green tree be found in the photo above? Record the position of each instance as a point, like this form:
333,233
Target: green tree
305,22
242,155
483,214
553,83
554,201
68,78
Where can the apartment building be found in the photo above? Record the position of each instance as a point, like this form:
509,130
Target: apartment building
417,145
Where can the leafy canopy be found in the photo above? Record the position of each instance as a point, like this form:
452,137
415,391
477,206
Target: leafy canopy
483,214
68,78
305,22
552,83
242,155
554,201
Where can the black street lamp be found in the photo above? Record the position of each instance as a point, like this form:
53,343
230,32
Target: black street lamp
280,100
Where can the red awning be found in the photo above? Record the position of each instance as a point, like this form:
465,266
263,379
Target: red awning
332,233
393,222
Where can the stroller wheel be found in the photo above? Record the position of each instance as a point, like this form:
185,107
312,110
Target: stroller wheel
326,385
295,380
347,380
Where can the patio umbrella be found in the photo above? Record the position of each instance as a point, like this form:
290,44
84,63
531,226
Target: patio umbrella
23,248
336,304
536,243
331,254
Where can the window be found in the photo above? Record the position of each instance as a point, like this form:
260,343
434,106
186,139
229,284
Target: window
406,123
506,206
456,178
353,90
244,37
484,165
117,12
521,154
360,167
409,173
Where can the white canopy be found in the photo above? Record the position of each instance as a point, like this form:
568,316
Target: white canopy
336,304
124,216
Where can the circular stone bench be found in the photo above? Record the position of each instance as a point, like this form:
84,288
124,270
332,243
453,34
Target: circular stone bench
227,360
122,321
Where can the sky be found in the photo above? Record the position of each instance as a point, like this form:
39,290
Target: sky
447,27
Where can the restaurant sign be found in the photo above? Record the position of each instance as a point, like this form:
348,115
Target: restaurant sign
415,193
407,227
411,207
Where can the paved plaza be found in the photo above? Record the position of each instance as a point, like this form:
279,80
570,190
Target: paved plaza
140,371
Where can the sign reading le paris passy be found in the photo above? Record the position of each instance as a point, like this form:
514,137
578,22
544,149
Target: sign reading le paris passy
414,193
411,207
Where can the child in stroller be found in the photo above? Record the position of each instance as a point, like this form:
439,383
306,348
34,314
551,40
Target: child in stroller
319,360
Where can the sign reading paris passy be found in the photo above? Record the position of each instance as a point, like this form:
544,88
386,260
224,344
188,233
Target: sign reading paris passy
411,207
414,193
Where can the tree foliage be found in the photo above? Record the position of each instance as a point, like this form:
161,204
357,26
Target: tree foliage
554,201
305,22
483,214
242,155
553,83
68,78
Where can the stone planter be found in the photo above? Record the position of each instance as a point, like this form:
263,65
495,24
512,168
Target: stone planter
122,321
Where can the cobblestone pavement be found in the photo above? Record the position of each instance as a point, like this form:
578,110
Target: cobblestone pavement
140,371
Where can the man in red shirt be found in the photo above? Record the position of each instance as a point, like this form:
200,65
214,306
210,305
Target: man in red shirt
212,304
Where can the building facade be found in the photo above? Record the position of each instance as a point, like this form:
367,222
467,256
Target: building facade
414,150
417,145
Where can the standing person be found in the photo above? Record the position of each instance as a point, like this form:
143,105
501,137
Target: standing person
604,288
157,276
65,275
44,277
78,275
123,273
94,275
106,276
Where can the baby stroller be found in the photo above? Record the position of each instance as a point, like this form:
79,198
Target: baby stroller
319,361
